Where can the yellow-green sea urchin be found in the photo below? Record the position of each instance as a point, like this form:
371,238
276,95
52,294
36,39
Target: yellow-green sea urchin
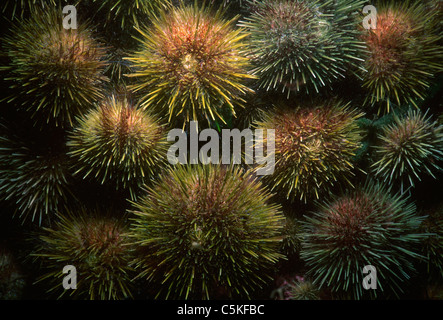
191,65
206,228
55,73
120,143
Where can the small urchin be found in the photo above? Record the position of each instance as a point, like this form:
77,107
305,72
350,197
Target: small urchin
410,148
118,143
314,147
206,230
96,244
191,65
368,225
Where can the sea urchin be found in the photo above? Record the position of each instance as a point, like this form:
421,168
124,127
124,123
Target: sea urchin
191,64
204,229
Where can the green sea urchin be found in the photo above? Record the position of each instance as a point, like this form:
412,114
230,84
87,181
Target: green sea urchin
297,44
96,245
314,147
410,147
119,143
404,53
206,228
191,65
366,226
56,73
39,184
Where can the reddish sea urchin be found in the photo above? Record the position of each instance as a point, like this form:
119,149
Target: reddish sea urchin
314,147
404,53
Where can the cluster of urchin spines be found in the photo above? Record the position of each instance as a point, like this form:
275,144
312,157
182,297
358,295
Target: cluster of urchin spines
55,73
118,142
129,13
366,226
96,243
302,45
38,182
409,148
191,65
404,54
314,147
203,228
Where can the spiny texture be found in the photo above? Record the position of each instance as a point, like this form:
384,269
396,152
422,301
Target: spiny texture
96,245
410,147
204,229
292,237
432,245
118,143
191,65
19,7
38,184
314,147
129,13
404,53
366,226
301,289
302,45
56,73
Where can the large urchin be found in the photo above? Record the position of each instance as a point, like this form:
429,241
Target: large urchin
191,65
302,45
118,143
366,226
207,231
54,73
